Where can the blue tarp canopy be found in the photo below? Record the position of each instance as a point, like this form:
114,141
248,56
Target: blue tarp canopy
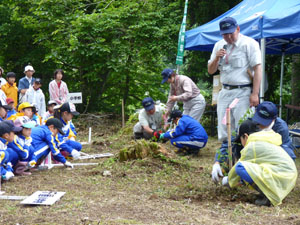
278,21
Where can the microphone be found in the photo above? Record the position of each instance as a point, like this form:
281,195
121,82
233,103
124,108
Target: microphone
222,59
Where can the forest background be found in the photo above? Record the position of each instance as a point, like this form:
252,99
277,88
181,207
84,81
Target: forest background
116,49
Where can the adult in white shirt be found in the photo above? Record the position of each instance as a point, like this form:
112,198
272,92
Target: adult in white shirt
150,120
234,56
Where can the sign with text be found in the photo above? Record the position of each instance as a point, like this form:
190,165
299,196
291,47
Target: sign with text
217,86
75,97
43,198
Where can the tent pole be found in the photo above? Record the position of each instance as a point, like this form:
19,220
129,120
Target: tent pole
281,82
263,74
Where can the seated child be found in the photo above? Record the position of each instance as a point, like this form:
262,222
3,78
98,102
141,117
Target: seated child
44,141
50,111
10,102
188,136
8,158
29,110
22,145
3,111
65,113
264,165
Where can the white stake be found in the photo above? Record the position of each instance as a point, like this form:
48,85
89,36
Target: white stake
90,135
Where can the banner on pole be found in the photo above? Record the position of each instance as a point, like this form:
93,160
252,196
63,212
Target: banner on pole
181,38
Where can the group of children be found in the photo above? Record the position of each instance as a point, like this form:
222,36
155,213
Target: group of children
26,139
29,89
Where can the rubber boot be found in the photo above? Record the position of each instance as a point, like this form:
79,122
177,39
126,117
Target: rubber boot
261,200
20,167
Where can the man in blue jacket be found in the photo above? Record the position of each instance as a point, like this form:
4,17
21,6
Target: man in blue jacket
188,135
44,141
25,82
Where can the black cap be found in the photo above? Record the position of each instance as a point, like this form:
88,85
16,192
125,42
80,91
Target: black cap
38,80
10,74
174,114
8,126
247,127
56,123
69,107
6,107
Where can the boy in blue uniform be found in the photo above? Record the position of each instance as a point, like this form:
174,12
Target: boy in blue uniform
67,143
8,157
44,141
22,145
188,135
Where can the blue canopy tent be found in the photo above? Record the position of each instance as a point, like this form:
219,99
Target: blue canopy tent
275,23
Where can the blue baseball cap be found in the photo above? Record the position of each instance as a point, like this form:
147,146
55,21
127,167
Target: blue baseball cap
265,113
228,25
148,103
166,74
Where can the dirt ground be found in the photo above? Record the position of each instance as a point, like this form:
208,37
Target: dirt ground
144,191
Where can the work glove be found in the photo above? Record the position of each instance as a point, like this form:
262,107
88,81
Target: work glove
68,164
225,181
162,136
216,173
75,154
8,175
156,134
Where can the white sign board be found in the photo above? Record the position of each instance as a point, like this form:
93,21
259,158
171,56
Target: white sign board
43,198
75,97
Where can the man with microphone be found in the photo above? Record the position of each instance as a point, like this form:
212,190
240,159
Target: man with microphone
238,58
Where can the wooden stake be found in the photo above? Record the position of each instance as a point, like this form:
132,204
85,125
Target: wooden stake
123,114
228,123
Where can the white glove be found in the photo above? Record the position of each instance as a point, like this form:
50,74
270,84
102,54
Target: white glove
8,175
68,164
75,154
225,181
216,172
